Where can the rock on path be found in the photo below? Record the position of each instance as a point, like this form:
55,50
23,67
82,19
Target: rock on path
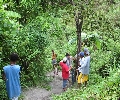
43,94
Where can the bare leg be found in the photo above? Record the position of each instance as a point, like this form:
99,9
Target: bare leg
85,83
53,70
79,85
15,98
56,69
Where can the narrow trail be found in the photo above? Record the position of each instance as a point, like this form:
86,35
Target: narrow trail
43,94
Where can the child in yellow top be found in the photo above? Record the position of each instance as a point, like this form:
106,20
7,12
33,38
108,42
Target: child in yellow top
54,61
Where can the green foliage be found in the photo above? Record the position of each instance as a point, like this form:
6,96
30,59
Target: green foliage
104,48
50,24
3,93
101,89
29,42
8,29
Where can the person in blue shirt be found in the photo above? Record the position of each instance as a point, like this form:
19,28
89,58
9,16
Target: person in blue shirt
12,78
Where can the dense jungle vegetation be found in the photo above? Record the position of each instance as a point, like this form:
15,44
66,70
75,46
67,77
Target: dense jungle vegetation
32,28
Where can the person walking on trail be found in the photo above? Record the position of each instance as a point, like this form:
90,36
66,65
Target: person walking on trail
65,72
54,62
12,78
80,63
83,77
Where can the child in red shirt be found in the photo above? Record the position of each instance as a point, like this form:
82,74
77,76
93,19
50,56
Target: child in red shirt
65,72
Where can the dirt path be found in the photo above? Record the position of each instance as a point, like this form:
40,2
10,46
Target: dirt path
43,94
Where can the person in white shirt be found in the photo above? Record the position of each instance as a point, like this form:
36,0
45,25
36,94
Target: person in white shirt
81,61
83,77
69,60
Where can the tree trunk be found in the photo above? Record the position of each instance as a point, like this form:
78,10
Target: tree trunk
79,22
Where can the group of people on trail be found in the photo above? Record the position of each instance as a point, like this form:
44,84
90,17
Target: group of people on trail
82,70
11,72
